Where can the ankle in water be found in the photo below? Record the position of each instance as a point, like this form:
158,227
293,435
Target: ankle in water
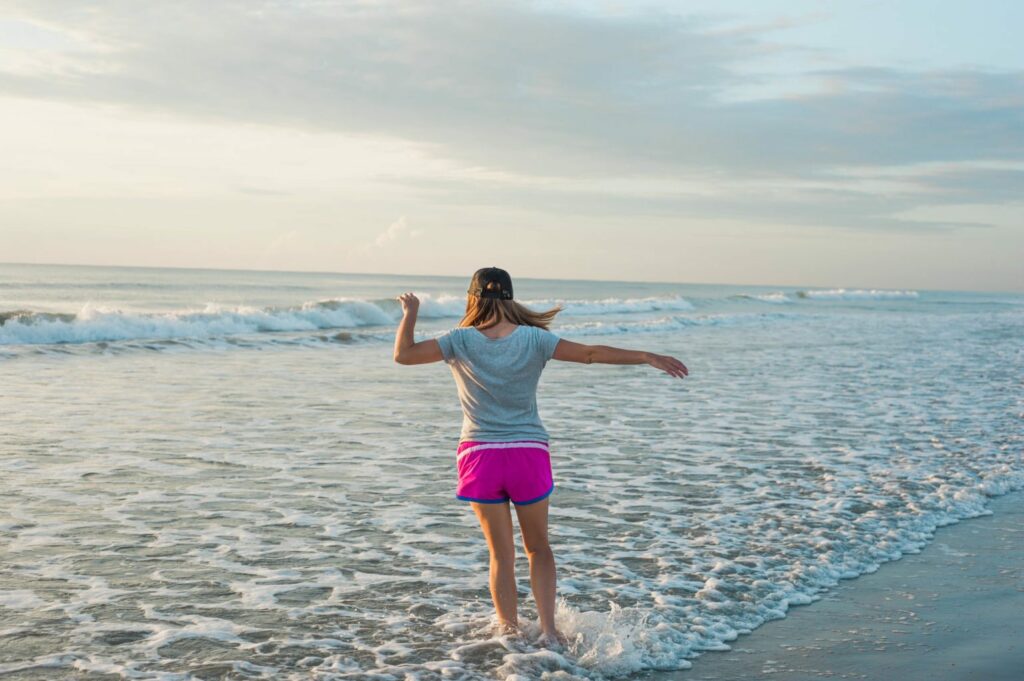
506,628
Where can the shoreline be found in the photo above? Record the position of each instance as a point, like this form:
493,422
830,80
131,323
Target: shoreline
954,611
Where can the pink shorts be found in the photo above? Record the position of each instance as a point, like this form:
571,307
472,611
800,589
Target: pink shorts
495,472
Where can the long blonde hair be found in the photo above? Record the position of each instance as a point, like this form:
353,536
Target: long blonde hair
486,312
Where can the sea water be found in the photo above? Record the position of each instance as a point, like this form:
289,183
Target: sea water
223,474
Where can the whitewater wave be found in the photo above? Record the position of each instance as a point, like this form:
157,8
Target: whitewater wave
333,323
855,294
613,305
776,297
837,294
671,323
95,324
455,306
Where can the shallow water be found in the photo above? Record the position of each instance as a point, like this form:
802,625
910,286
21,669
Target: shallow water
201,501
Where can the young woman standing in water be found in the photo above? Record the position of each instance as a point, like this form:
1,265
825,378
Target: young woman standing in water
496,355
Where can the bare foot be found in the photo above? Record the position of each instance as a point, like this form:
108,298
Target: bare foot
555,640
505,628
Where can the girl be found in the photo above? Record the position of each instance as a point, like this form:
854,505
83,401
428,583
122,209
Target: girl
496,355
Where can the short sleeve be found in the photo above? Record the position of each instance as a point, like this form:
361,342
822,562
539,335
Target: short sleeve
548,342
447,348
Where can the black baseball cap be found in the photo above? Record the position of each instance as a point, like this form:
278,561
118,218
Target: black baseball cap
502,288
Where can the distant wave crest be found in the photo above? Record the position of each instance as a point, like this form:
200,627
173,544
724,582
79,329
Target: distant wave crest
776,297
613,305
855,294
836,294
96,324
671,323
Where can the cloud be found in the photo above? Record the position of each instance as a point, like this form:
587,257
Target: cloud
398,231
539,93
870,199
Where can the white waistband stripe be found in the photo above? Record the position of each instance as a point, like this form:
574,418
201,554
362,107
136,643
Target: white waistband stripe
502,445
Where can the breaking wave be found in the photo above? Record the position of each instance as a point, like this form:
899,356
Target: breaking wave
93,324
854,294
97,324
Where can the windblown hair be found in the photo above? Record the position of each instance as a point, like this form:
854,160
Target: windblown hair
486,312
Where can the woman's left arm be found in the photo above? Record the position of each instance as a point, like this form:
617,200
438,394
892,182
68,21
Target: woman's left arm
407,351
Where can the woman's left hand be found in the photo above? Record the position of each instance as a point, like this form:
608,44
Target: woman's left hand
410,303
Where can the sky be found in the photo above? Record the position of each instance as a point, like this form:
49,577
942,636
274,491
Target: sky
842,144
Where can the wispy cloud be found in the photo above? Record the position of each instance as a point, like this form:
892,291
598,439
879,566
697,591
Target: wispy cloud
569,97
397,232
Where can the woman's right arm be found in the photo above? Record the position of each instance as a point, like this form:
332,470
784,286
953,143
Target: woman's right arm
568,351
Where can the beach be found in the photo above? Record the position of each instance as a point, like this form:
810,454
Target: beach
952,612
224,474
774,252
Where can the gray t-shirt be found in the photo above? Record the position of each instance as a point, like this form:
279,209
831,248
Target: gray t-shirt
497,381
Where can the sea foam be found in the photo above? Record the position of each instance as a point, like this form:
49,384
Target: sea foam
94,323
855,294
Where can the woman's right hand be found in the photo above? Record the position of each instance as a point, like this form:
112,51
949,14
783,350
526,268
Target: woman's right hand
410,303
670,365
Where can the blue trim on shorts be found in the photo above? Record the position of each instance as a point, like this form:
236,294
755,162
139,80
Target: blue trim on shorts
533,501
482,501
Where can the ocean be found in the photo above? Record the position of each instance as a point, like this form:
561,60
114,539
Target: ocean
223,474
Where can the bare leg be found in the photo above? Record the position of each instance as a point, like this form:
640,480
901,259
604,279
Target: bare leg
496,522
533,523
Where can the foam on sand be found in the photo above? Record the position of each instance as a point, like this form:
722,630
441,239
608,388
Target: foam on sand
949,612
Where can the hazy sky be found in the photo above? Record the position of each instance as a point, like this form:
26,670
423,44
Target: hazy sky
866,144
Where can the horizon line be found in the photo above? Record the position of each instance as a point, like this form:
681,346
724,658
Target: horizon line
452,276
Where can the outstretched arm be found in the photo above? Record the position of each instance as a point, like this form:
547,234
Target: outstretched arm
568,351
407,351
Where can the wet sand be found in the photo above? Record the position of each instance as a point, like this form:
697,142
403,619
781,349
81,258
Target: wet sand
954,611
